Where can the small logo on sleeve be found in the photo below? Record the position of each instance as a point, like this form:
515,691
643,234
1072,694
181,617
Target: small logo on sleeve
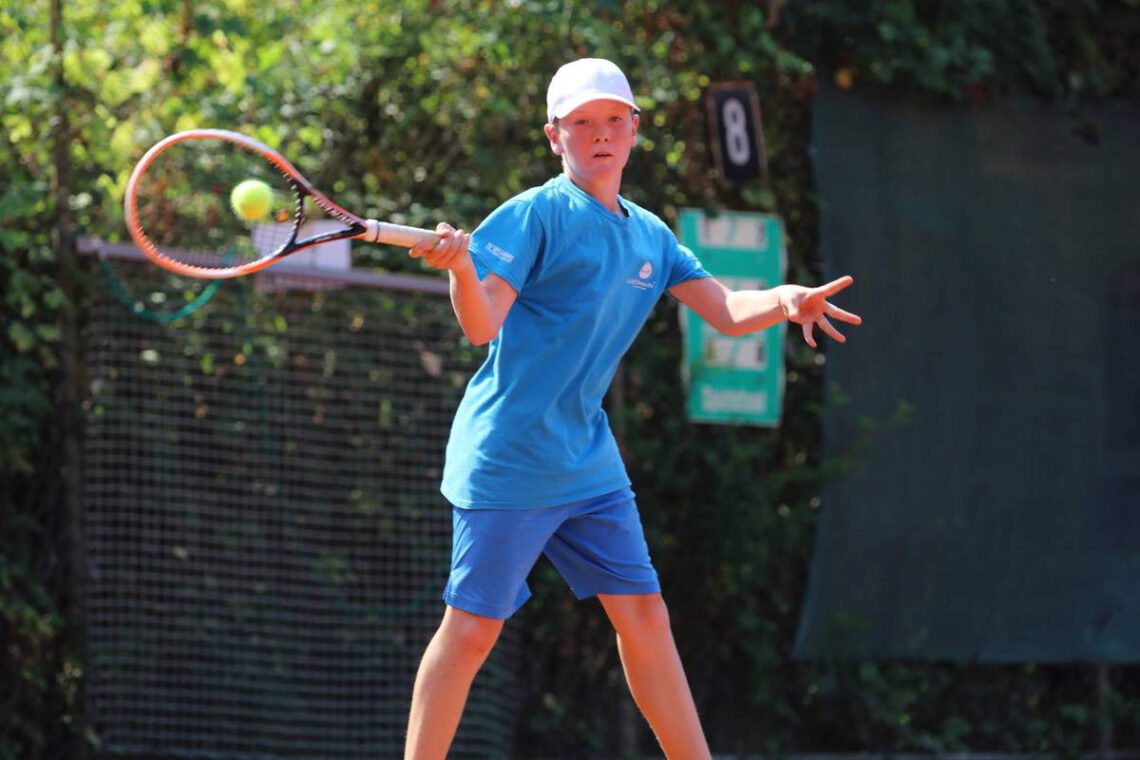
499,253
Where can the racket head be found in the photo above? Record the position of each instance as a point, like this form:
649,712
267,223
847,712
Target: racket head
178,206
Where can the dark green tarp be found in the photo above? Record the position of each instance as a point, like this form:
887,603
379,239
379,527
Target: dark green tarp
989,408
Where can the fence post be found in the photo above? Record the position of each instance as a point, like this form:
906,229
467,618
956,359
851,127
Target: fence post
68,418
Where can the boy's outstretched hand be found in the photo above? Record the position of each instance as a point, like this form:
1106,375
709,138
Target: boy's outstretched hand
808,307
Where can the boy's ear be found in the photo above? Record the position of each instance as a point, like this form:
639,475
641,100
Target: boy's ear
552,135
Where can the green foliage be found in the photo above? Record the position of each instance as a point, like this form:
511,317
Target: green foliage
978,51
432,109
40,678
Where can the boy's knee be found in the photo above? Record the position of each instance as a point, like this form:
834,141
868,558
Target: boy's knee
472,634
654,615
642,614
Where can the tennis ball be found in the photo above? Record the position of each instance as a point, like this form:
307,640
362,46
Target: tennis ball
251,199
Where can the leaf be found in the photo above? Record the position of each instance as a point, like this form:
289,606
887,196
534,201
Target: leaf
23,338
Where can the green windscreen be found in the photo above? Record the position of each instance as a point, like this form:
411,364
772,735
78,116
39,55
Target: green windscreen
988,410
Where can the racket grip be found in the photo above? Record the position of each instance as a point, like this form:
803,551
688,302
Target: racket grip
395,234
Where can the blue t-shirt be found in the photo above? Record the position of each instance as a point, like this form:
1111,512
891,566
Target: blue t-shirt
530,431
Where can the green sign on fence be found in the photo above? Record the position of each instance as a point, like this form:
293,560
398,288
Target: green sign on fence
734,380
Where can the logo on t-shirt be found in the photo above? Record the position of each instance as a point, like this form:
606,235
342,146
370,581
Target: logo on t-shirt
499,253
643,282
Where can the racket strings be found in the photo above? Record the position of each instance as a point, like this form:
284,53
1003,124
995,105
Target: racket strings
332,211
185,213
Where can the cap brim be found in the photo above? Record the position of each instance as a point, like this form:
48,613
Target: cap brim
567,106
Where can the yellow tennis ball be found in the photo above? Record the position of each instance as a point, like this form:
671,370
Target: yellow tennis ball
251,199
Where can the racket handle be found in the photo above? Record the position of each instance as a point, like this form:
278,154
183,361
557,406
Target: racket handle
395,234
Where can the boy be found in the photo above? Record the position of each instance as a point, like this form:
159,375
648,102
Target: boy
559,280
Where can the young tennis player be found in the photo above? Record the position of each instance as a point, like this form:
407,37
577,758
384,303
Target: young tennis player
559,280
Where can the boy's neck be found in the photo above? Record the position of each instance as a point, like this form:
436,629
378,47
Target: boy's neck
604,192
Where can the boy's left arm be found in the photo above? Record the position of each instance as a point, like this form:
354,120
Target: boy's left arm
741,312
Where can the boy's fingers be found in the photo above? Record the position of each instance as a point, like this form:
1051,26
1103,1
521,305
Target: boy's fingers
846,316
835,286
808,338
428,248
438,257
830,330
458,247
448,250
444,257
431,256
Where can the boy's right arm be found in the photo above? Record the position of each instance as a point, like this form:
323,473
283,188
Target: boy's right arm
480,305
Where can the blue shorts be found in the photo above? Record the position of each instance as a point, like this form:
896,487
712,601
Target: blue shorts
597,545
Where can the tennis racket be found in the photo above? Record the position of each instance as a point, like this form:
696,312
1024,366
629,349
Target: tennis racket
179,211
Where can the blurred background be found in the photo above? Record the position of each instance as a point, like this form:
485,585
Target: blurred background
220,530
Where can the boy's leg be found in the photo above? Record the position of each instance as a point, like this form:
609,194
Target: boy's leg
491,553
654,672
449,665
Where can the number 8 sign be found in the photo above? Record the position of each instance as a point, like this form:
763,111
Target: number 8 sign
734,120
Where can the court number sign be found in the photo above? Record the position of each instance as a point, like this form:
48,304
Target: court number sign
734,120
734,380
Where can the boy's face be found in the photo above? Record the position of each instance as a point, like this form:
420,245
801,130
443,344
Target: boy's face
594,140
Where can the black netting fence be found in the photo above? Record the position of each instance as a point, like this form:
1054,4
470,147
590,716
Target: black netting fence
266,543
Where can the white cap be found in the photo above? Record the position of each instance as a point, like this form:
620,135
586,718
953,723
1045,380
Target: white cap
584,80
